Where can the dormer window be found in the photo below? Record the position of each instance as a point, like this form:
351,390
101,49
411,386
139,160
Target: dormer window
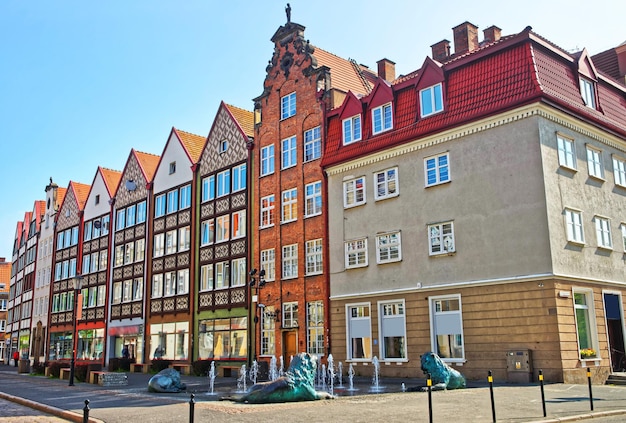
172,168
382,118
431,100
352,129
223,146
288,106
588,93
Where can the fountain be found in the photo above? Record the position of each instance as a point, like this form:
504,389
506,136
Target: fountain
331,373
340,373
351,378
273,372
254,372
323,377
241,380
212,379
375,379
281,370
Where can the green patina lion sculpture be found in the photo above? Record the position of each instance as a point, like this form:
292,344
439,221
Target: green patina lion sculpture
442,375
296,385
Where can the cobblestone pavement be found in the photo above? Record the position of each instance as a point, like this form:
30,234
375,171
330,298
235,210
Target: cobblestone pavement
11,412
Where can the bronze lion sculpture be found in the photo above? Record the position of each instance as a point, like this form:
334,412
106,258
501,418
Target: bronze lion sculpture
442,375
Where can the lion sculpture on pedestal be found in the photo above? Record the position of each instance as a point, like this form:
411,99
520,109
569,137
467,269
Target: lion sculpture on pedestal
442,375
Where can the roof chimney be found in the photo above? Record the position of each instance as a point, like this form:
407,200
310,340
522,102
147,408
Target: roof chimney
465,38
386,69
621,61
441,50
491,34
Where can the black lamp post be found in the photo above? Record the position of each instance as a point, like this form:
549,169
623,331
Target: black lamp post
257,288
77,282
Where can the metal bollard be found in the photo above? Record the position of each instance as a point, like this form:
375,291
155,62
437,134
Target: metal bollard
590,391
543,396
191,405
86,412
493,405
429,384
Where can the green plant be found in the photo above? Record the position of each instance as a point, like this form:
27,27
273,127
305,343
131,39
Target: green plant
158,365
38,368
55,368
201,367
587,353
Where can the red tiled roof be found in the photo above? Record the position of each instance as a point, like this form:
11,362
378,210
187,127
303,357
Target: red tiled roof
192,143
148,163
111,179
346,75
61,191
81,192
5,277
244,117
515,73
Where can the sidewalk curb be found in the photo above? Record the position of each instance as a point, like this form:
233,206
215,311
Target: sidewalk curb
65,414
582,416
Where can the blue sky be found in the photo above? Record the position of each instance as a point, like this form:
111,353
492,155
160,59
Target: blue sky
83,82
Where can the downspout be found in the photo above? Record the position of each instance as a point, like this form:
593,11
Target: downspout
193,254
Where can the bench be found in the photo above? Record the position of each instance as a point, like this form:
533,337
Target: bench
139,367
64,373
95,376
108,378
184,369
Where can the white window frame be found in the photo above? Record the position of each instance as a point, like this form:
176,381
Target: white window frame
171,205
238,272
239,177
315,327
171,238
206,277
289,205
441,239
434,165
238,224
619,171
159,245
268,206
603,232
392,322
594,162
386,184
446,318
434,96
222,275
314,257
289,261
574,229
588,92
290,315
288,106
382,118
352,190
351,128
623,231
159,205
208,188
289,153
185,197
356,253
313,199
268,263
312,144
359,322
567,151
207,232
222,228
267,160
388,247
222,185
589,310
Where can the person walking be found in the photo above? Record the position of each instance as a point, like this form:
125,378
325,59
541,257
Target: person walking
16,357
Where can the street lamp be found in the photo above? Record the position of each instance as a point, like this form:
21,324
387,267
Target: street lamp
77,282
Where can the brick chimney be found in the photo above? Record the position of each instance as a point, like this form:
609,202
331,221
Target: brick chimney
465,38
491,34
621,61
441,50
386,69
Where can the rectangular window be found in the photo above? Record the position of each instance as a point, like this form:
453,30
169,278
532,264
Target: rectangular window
137,289
441,238
87,231
268,332
184,238
351,129
359,332
159,205
104,257
289,205
603,232
74,235
59,240
290,315
267,211
239,224
268,263
238,272
354,192
129,252
141,212
222,274
127,292
207,232
72,267
623,230
222,228
267,160
223,183
170,242
223,146
356,253
436,169
66,269
86,263
393,330
619,171
119,255
431,100
185,197
117,292
567,155
312,144
120,220
315,327
290,261
96,228
585,319
314,257
574,226
182,282
157,286
105,225
588,93
447,327
140,249
169,284
386,183
208,188
382,119
172,201
239,178
288,152
172,167
206,277
594,162
288,106
130,216
313,200
388,248
159,245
